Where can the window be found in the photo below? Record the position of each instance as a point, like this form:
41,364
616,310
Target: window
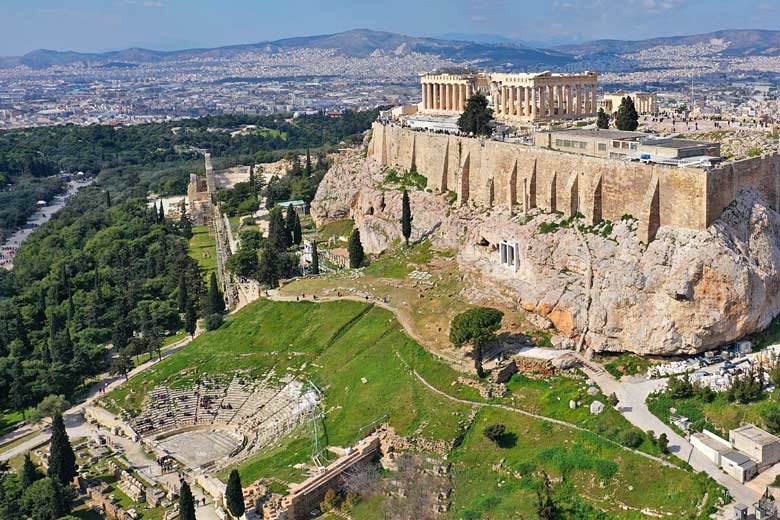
602,147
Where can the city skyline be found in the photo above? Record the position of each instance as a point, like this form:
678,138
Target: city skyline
100,25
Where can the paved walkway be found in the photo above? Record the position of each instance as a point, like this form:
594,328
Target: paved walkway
632,394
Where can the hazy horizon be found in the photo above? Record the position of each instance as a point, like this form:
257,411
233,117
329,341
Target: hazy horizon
104,25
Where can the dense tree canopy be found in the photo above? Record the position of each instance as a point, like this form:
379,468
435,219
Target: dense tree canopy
627,116
476,118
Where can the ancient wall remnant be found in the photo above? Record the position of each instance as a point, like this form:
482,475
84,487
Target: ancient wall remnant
485,172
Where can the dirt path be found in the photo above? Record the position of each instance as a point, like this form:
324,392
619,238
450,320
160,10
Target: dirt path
512,409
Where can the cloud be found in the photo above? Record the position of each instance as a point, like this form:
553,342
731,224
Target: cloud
658,6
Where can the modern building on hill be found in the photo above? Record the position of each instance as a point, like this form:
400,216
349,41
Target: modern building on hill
527,97
618,144
759,445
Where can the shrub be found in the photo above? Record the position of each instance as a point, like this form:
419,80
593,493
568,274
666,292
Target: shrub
214,321
631,439
495,432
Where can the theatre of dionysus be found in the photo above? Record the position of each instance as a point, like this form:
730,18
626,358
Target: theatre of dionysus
515,97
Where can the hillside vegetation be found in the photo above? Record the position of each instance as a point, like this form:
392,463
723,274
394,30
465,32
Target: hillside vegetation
336,344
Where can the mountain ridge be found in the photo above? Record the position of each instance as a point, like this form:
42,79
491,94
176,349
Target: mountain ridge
365,42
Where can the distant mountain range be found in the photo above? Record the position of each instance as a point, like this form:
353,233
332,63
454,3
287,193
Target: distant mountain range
489,50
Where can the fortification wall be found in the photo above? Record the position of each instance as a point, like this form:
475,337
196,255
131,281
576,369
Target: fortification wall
724,182
490,173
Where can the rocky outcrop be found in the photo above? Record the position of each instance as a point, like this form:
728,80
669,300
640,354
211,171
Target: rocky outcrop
685,292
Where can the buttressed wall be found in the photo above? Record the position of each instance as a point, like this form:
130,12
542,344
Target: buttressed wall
490,173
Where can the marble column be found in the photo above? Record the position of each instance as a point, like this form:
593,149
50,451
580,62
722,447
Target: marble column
533,102
527,99
512,101
595,98
430,95
569,99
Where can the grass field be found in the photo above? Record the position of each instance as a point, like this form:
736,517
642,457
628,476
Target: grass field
203,249
336,344
9,419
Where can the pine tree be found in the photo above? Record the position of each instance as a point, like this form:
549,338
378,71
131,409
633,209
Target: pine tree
627,116
181,297
186,502
268,271
476,118
62,460
406,218
234,495
289,224
161,214
602,121
315,259
277,231
215,302
29,472
190,320
297,234
355,247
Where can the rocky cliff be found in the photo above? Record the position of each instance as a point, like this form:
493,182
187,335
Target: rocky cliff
687,291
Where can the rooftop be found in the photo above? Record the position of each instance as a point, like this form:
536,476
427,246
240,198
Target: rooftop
599,132
755,434
740,459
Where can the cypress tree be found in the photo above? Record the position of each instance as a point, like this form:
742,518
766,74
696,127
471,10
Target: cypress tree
297,234
602,121
186,502
62,460
627,116
185,226
29,472
215,302
355,247
315,259
161,214
308,163
190,320
21,334
277,231
289,225
268,271
108,199
234,495
181,297
406,218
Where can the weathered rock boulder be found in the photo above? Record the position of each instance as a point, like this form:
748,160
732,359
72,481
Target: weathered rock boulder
685,292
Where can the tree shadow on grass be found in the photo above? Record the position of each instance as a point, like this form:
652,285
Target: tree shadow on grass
508,440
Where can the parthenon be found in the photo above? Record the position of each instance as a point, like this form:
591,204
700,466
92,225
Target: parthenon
514,97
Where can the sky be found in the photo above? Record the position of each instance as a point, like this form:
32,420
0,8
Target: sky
99,25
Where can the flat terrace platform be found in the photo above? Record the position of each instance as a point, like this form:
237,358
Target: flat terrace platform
199,447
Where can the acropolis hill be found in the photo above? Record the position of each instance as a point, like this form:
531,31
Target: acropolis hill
665,255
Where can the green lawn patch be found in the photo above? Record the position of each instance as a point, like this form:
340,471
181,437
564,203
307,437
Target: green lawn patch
203,248
627,364
340,228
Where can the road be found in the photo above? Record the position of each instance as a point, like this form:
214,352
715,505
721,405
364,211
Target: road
632,394
40,217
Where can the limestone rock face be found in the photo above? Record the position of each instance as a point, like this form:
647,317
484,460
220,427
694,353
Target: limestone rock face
686,292
341,184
